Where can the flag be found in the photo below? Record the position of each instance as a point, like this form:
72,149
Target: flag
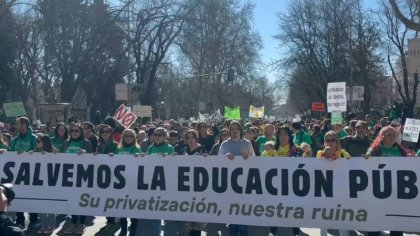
233,113
202,117
256,112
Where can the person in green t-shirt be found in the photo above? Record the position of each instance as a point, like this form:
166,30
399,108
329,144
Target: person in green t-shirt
268,136
385,144
160,146
61,134
128,146
299,135
76,144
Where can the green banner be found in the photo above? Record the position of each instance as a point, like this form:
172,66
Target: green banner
14,109
233,113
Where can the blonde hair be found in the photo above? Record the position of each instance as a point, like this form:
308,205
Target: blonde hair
305,145
122,143
333,135
270,144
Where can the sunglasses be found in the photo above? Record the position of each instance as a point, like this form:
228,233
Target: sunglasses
74,131
330,140
159,135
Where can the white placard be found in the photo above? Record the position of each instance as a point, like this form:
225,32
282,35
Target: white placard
358,93
121,92
411,130
284,192
413,56
336,97
142,111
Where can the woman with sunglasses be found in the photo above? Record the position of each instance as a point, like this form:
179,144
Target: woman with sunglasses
61,134
332,151
76,144
385,145
107,145
128,146
46,221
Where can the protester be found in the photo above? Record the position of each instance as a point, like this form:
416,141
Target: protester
318,138
107,145
269,150
128,146
252,137
46,220
236,145
223,136
385,145
300,136
61,134
204,137
89,133
25,141
76,144
269,132
145,144
284,144
358,144
332,149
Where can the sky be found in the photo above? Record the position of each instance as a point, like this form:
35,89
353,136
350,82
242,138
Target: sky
266,23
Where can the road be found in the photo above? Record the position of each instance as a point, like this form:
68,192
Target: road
95,224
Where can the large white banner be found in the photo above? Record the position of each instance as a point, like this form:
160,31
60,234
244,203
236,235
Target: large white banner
374,194
336,97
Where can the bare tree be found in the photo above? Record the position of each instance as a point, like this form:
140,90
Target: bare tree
409,22
398,34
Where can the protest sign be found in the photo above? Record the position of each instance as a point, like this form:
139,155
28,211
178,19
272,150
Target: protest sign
411,130
358,93
121,92
283,192
256,112
318,107
125,116
202,117
336,97
14,109
413,56
142,111
233,113
336,118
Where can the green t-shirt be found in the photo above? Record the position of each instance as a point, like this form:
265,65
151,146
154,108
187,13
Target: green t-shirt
342,134
418,153
391,152
3,146
162,149
128,150
24,143
57,143
302,137
74,147
262,140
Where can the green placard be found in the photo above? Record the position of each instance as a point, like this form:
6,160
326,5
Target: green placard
233,113
336,118
14,109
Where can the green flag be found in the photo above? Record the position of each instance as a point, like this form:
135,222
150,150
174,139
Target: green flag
233,113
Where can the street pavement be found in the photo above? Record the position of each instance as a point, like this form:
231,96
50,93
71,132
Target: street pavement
95,224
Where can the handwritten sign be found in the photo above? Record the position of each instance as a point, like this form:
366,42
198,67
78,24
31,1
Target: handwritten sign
14,109
336,97
411,130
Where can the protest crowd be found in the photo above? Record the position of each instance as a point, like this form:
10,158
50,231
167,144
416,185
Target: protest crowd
305,137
